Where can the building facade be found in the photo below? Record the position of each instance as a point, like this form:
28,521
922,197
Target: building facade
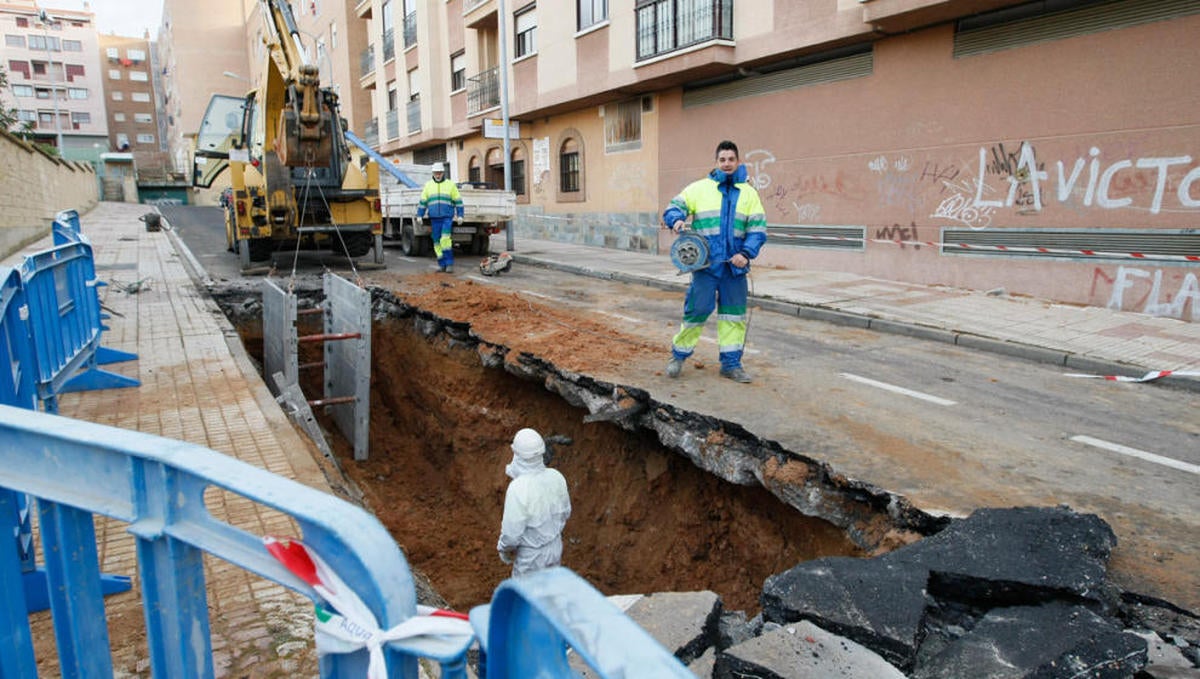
55,78
132,103
979,143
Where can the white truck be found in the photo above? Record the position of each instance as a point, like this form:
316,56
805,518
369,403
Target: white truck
486,212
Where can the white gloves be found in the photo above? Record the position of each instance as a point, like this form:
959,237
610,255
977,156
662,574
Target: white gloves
506,555
458,219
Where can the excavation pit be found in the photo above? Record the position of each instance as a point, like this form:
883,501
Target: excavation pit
447,398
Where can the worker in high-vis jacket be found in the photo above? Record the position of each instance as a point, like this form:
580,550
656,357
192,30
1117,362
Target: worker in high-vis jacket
727,212
442,201
536,508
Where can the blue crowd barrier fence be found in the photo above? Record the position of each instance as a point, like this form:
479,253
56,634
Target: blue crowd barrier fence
78,469
66,227
60,289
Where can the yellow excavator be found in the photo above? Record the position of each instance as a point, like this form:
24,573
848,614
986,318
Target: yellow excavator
295,181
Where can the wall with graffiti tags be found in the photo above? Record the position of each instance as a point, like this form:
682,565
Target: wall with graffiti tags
1057,145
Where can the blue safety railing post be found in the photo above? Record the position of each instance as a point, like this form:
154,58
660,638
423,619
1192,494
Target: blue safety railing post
17,658
66,227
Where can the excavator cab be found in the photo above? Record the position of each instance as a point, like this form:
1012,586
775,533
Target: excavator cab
220,137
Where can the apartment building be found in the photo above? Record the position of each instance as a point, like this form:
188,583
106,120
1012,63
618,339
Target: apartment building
132,103
979,143
203,50
54,75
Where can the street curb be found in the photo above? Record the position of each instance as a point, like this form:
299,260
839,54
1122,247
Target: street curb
1019,350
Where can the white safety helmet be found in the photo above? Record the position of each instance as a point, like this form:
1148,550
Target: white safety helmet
437,167
528,444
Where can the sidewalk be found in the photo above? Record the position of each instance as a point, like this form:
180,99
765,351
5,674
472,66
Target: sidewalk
1080,339
198,385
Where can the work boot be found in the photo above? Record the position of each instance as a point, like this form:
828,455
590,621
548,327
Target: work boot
736,374
449,268
674,367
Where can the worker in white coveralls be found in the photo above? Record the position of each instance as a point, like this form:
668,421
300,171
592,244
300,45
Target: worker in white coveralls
536,507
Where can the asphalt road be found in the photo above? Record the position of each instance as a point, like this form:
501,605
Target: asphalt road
950,428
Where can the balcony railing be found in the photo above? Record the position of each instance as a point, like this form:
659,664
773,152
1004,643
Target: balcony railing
389,45
393,124
483,91
371,133
667,25
410,29
414,116
366,61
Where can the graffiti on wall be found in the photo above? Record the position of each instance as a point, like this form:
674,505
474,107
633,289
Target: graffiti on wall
756,162
1092,182
1146,291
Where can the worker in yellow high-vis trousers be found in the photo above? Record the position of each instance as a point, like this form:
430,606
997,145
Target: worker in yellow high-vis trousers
728,213
441,199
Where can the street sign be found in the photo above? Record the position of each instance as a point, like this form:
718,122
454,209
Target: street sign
493,128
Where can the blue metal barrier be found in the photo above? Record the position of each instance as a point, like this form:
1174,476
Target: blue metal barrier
65,318
76,469
534,619
66,227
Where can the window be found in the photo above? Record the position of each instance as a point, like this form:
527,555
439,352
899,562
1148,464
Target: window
21,67
14,40
526,27
119,117
42,42
22,90
39,68
591,12
623,126
118,96
122,141
22,22
43,93
473,170
77,93
139,76
667,25
135,55
114,74
458,71
112,53
75,71
143,118
145,139
568,163
27,116
333,36
322,53
81,118
72,46
518,170
143,97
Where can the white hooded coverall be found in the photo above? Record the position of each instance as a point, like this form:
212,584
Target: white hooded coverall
536,508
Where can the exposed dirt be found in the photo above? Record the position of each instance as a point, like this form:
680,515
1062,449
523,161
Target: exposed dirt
644,519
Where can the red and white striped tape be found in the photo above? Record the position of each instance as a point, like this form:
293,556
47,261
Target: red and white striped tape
1000,248
351,625
1148,377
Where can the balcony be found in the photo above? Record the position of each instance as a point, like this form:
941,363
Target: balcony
414,116
483,91
362,9
665,26
393,124
410,29
371,133
366,62
389,45
480,14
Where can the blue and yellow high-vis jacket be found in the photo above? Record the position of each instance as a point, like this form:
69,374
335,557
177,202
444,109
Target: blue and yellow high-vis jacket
440,199
727,212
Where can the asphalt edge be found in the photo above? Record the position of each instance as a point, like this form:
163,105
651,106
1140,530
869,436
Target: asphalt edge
1020,350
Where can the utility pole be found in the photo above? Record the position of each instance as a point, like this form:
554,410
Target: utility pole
45,20
503,15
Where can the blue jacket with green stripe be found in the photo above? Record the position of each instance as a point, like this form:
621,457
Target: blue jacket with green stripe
441,199
727,211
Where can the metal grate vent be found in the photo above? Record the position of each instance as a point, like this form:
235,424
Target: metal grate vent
1069,24
1177,247
825,237
845,68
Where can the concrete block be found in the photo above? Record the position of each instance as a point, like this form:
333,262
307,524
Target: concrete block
801,651
684,622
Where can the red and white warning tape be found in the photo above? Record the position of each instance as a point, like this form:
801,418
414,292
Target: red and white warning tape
1000,248
351,625
1148,377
